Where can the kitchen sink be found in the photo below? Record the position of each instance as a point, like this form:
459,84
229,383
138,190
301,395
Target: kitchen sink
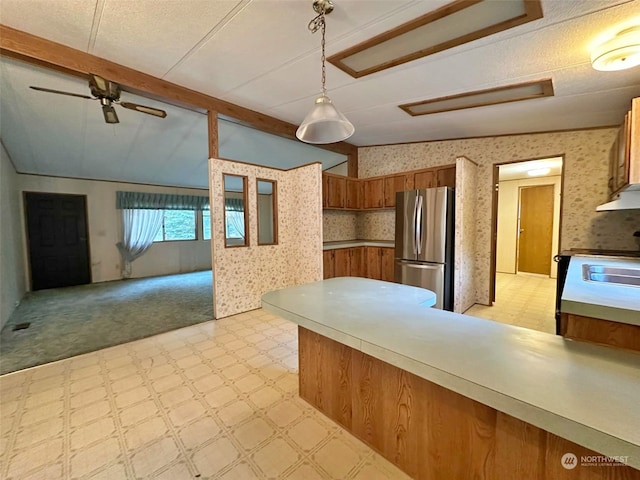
617,275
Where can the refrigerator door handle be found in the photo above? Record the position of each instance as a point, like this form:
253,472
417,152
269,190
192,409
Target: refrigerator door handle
415,231
418,225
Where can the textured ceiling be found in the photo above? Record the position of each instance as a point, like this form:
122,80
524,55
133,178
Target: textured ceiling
259,54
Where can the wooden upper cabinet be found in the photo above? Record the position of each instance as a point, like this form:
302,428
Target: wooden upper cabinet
423,179
354,193
394,184
340,192
624,166
446,177
374,193
336,191
325,190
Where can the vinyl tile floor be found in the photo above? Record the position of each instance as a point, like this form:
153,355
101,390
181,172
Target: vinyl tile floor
216,400
524,300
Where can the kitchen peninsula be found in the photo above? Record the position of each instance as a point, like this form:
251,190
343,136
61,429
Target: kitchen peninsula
445,395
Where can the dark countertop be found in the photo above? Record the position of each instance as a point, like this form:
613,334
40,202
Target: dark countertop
606,253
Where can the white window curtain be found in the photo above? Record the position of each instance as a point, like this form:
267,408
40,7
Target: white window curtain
139,229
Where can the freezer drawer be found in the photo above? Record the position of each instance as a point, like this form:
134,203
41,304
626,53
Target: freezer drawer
424,275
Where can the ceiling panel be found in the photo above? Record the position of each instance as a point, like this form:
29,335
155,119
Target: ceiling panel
145,35
63,21
259,54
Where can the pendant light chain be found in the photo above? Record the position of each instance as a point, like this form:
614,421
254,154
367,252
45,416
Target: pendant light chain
324,72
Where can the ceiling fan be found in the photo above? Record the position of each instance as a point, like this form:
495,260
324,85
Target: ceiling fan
109,94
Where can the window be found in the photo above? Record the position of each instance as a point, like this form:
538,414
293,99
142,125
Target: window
206,224
177,225
235,223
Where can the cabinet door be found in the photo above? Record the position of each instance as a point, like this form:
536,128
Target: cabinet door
356,267
342,262
336,196
327,264
373,263
374,193
621,154
423,180
354,193
446,177
325,190
387,258
393,184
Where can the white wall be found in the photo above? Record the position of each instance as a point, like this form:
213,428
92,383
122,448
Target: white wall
105,229
340,169
12,272
508,197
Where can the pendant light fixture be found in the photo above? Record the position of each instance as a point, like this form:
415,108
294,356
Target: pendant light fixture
324,123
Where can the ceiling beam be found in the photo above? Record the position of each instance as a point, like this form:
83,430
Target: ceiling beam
45,53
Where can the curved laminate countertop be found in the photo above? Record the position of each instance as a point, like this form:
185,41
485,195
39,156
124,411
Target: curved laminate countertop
585,393
607,301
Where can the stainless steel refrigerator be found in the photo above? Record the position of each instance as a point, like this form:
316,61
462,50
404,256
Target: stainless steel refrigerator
424,241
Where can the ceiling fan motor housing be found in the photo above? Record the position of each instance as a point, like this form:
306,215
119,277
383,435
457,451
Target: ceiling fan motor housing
102,88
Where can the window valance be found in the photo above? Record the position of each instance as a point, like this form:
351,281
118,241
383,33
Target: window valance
160,201
234,204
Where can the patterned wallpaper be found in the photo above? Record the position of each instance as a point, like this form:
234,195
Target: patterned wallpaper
243,274
465,240
586,154
338,225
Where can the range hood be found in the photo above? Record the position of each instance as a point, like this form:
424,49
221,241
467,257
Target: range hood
627,200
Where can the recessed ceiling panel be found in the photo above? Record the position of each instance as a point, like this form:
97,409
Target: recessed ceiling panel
482,98
459,22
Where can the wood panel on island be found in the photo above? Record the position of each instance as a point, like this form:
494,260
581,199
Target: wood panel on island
597,330
367,262
345,193
428,431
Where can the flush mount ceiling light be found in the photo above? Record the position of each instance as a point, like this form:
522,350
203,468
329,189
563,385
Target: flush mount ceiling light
538,172
618,53
449,26
481,98
324,123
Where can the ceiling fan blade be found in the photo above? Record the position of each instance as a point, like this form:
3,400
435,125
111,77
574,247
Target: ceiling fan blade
49,90
141,108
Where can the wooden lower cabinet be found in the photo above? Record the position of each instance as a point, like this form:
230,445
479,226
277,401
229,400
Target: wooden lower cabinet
328,263
368,262
428,431
379,262
595,330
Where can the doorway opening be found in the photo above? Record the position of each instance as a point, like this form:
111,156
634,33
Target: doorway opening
526,236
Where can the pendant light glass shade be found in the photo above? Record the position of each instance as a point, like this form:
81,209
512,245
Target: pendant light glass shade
324,124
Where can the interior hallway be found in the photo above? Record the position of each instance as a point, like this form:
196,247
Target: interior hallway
525,300
216,400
